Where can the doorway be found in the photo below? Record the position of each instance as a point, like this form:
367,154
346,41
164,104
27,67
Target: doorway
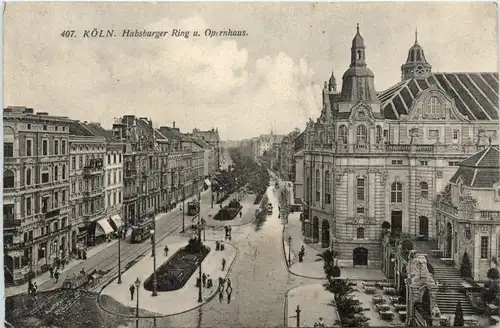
360,256
396,221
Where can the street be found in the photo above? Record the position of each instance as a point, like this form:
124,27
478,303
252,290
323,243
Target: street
259,279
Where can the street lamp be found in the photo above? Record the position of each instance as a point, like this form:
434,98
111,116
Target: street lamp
182,209
200,299
155,282
119,256
289,250
203,226
137,285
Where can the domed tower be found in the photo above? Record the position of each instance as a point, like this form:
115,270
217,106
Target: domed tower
358,80
416,65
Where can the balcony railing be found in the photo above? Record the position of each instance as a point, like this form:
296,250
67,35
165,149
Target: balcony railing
397,148
38,239
9,222
92,170
52,213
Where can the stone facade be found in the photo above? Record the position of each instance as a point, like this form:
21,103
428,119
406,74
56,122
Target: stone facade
36,218
376,157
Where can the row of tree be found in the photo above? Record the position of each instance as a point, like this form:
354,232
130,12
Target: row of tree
249,172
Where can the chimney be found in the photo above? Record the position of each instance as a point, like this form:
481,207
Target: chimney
173,125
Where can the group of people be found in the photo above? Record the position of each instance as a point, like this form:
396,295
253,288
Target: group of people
54,273
229,289
206,281
227,230
219,246
81,251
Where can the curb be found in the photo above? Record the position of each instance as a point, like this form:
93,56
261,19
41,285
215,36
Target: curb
209,298
286,264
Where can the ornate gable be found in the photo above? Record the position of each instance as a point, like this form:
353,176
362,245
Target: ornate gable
433,104
361,113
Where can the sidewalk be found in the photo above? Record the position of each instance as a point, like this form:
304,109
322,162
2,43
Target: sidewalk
248,213
44,278
178,301
313,301
311,268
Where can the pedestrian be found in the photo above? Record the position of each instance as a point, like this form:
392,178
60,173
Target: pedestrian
132,290
204,279
82,272
240,214
217,245
30,287
35,289
56,275
221,245
221,295
221,283
166,250
209,282
223,264
51,270
228,284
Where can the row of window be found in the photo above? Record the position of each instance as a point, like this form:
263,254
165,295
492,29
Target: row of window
485,247
48,203
86,161
45,230
396,189
114,158
90,207
59,148
9,176
90,184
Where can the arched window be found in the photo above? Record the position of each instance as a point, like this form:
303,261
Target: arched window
63,172
361,134
413,55
397,192
28,177
419,58
328,188
321,136
424,189
359,54
379,133
434,107
360,233
8,179
343,134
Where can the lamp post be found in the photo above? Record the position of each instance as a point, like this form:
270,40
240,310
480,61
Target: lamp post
119,256
200,299
203,226
137,285
153,254
289,250
182,209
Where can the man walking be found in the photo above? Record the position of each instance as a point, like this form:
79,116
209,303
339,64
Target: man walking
132,290
204,279
166,250
229,289
56,275
223,264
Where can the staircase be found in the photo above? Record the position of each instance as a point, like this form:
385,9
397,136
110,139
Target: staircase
447,300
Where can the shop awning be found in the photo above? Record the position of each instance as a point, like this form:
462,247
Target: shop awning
117,220
103,228
208,183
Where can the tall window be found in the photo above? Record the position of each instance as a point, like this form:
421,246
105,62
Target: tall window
361,134
45,177
73,162
56,147
63,147
56,173
317,185
379,133
360,233
45,147
29,147
8,149
424,189
434,107
28,206
397,192
28,177
455,134
484,247
8,179
328,196
360,189
64,171
343,134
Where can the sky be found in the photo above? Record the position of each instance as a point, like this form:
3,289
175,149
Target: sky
270,79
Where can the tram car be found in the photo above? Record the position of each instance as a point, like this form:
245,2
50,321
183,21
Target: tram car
193,208
140,234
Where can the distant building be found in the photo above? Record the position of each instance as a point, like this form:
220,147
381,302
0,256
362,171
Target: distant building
212,138
468,213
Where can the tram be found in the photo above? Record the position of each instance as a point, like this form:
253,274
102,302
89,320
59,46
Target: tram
140,234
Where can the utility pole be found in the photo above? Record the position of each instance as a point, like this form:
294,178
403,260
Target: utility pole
200,299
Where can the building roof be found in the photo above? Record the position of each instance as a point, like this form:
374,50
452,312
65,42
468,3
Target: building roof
98,130
475,94
172,133
481,170
202,143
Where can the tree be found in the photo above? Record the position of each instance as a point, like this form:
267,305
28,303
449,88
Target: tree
493,274
328,258
465,267
386,225
459,316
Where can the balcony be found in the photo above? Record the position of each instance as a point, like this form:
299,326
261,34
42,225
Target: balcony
90,216
51,214
9,222
93,192
89,171
39,239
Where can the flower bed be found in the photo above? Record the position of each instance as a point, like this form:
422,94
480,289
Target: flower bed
174,273
229,212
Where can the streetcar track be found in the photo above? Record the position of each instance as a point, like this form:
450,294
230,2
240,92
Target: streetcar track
112,273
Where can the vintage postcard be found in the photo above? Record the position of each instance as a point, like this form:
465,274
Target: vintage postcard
250,164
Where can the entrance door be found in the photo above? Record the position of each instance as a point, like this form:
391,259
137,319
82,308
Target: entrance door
396,221
360,256
325,234
424,226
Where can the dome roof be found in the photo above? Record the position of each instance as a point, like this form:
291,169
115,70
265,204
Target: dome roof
360,71
358,40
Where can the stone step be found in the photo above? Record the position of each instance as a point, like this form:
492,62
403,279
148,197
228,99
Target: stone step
447,302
